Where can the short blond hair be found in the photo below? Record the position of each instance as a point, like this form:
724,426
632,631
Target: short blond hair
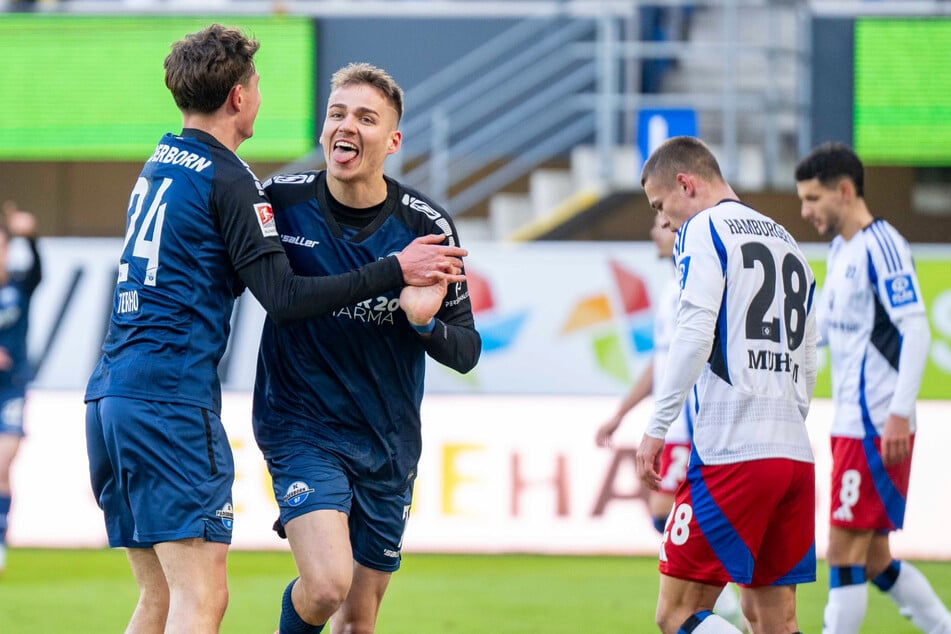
363,73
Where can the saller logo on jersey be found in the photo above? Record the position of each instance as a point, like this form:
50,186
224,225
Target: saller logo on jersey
900,290
265,216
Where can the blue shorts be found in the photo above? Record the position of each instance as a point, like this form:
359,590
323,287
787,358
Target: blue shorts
11,414
308,479
160,471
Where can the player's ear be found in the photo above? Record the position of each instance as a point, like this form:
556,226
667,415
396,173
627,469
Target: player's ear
685,183
846,188
396,140
235,97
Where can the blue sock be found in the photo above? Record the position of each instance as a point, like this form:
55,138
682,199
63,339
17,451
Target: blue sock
660,523
840,576
4,511
291,623
888,577
694,621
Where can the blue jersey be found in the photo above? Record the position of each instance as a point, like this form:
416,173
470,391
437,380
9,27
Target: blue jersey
351,382
15,298
196,214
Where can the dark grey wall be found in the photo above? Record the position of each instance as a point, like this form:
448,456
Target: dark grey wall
833,79
409,49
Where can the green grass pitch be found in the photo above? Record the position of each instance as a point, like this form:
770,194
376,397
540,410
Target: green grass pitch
80,591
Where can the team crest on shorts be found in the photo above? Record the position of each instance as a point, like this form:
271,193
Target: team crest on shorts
297,493
226,513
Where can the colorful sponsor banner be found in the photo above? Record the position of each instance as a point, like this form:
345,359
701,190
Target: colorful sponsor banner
498,474
555,318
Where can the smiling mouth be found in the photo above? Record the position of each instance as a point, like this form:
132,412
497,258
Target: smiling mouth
344,151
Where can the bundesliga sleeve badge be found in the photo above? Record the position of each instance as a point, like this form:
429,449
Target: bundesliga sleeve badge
265,216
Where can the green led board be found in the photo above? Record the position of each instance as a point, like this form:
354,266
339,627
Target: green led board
903,91
93,88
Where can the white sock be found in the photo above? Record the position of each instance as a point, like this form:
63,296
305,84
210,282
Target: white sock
845,609
916,600
711,624
728,606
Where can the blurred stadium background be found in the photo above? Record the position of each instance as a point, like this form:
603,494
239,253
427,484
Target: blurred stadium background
529,120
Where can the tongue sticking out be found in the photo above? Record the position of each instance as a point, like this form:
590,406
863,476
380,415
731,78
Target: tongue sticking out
343,154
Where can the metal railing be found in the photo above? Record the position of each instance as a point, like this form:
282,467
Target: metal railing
571,76
567,73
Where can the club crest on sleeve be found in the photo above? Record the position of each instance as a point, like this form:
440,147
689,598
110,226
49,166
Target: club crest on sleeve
901,290
265,216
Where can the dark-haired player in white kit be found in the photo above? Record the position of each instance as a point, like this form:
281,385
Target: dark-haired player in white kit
745,336
199,229
873,318
337,398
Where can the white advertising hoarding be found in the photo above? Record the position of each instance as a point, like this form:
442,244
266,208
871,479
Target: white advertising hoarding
498,474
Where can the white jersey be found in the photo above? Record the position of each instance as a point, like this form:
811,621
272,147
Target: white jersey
754,390
870,285
681,430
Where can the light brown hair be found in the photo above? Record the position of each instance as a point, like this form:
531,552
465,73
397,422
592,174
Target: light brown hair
203,67
681,154
363,73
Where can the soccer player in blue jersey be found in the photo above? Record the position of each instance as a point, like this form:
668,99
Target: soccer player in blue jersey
200,229
873,318
16,289
337,398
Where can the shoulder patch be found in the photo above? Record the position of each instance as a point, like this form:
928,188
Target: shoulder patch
265,215
900,290
423,207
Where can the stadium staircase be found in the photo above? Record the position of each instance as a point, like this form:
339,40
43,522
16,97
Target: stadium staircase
535,126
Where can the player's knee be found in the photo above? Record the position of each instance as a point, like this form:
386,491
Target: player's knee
154,598
208,603
667,620
324,596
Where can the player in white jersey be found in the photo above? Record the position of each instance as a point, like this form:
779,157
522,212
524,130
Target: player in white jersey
873,318
676,452
745,335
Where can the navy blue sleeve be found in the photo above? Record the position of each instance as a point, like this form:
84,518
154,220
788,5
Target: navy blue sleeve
288,297
454,342
245,220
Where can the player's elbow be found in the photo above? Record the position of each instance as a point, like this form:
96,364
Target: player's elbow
468,361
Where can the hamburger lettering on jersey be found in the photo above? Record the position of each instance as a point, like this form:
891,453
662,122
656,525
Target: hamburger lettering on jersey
752,394
197,213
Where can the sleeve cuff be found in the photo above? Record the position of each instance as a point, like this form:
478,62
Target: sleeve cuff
425,329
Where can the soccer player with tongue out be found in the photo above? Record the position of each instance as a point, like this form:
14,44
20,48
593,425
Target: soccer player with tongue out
337,397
